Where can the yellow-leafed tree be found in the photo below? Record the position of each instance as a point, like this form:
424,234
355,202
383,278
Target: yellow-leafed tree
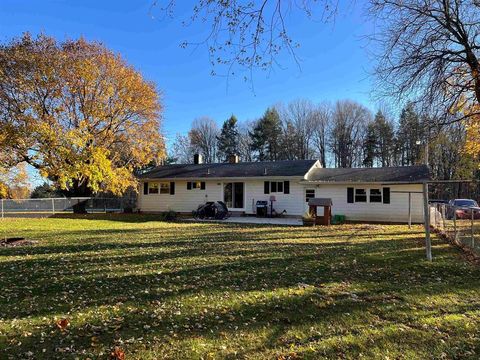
78,113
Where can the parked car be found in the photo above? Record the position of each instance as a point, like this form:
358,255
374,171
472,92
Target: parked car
463,209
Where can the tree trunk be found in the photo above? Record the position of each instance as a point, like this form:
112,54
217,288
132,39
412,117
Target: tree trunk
80,190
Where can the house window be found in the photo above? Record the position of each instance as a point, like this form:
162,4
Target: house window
198,185
153,188
164,188
276,186
360,195
309,194
375,196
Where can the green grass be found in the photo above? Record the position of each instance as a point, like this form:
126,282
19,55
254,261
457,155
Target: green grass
199,291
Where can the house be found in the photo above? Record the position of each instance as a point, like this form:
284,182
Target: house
361,194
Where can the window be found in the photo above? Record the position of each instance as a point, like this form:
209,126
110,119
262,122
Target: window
360,195
164,188
375,196
276,187
153,188
233,195
198,185
309,194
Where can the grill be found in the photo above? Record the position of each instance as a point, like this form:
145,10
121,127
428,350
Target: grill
262,208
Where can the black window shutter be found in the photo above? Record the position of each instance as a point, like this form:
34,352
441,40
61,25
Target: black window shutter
286,187
172,188
386,195
273,186
266,187
202,185
189,185
350,195
145,188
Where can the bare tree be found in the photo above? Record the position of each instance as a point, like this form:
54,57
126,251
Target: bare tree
245,140
321,117
203,138
429,51
298,120
249,34
182,150
350,120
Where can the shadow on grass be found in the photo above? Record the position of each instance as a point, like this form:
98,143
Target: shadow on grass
249,281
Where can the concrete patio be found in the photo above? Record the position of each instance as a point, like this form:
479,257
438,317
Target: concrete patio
288,221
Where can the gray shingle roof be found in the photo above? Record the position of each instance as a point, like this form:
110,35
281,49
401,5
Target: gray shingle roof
227,170
416,173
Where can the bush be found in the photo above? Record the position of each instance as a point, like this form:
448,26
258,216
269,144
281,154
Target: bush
168,215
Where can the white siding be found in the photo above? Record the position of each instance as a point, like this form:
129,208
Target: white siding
183,201
294,203
396,211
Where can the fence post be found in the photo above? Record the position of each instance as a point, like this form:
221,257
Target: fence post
454,224
443,218
53,206
426,209
471,231
409,210
105,205
2,208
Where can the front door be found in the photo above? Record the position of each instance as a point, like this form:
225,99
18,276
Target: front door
233,194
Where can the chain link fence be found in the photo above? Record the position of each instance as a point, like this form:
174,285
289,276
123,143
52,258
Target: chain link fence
52,206
460,224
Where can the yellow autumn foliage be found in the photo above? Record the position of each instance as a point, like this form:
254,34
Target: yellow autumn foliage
78,113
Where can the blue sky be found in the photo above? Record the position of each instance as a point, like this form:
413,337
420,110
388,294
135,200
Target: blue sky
334,62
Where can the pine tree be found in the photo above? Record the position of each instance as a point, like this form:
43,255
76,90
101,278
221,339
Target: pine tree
266,136
370,145
384,135
228,139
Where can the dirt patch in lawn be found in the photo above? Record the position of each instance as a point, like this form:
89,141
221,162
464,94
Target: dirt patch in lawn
16,241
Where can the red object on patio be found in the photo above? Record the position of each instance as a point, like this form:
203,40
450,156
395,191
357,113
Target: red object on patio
326,203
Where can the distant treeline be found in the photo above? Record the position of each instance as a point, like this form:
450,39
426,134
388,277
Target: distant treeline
345,134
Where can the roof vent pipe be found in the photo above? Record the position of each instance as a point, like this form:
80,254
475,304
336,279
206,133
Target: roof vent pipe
264,171
198,159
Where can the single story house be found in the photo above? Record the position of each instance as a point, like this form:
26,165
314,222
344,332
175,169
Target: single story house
361,194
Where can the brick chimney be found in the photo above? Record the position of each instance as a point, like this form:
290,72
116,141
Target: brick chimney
233,159
198,159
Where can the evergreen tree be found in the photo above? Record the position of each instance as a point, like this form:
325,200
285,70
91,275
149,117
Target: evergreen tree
266,136
228,139
370,145
410,131
384,135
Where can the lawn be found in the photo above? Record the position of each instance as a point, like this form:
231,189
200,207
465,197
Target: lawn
182,290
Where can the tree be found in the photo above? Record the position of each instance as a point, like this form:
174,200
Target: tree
228,139
78,113
203,138
347,134
384,135
245,141
45,190
321,117
14,182
430,51
410,131
298,121
182,150
370,145
266,136
248,34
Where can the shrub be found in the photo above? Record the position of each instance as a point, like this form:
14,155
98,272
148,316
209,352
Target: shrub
169,215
